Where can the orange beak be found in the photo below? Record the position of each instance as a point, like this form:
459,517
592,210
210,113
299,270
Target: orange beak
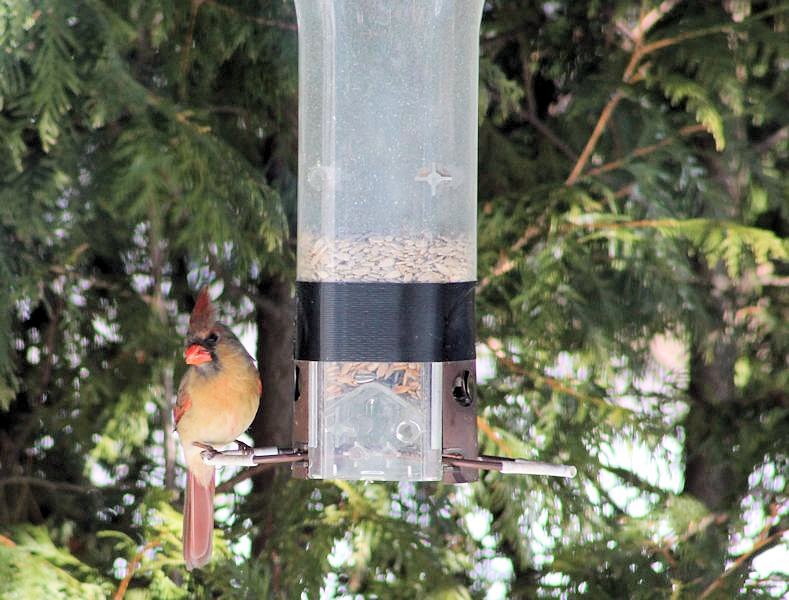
196,355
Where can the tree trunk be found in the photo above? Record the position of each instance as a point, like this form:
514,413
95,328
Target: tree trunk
709,436
275,355
272,425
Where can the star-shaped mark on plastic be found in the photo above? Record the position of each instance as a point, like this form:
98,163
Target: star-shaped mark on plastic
433,177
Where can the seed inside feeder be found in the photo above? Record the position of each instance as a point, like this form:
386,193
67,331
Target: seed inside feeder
402,378
396,259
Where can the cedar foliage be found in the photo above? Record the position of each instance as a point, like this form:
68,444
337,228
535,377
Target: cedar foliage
632,185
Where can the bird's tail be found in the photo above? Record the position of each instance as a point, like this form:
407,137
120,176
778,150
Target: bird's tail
198,521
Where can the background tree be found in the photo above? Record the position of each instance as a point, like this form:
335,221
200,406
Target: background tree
633,204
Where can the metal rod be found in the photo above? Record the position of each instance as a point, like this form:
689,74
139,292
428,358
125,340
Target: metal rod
260,456
514,466
272,455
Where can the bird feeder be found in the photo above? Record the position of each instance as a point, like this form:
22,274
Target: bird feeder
386,254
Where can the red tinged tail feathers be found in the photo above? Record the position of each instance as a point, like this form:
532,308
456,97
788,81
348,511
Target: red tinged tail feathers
198,522
204,313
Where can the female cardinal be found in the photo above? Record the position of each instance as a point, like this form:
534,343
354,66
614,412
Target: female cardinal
217,400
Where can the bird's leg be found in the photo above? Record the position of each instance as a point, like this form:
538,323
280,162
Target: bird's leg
245,449
208,450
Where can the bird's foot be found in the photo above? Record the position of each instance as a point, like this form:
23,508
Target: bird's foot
208,450
245,449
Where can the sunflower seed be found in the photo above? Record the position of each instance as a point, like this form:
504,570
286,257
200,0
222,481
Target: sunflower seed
425,258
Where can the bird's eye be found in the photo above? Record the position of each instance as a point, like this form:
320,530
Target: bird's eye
212,338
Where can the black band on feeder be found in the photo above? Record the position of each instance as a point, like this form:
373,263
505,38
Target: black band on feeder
385,322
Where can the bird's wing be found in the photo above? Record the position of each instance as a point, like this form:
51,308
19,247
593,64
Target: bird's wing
182,403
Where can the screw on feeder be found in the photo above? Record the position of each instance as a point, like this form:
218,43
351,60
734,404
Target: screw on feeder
462,389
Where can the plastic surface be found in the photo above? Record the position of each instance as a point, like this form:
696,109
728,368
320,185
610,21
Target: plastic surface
375,421
388,140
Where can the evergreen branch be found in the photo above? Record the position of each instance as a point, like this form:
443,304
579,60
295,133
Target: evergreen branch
556,385
771,140
531,116
230,110
625,191
494,437
591,143
283,25
188,45
528,83
606,495
642,51
29,481
644,151
630,74
646,22
633,479
636,224
763,544
505,264
664,546
132,567
663,550
649,19
184,116
227,486
546,131
694,528
716,239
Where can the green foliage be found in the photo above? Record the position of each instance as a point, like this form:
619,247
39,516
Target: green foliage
724,242
500,97
33,567
681,90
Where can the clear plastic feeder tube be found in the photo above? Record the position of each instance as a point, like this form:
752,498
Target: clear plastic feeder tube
386,258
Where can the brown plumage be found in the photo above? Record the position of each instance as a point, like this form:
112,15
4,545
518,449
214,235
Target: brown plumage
217,401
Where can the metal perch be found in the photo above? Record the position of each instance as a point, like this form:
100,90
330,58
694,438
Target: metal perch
272,455
513,466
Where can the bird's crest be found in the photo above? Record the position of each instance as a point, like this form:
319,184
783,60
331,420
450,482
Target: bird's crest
204,313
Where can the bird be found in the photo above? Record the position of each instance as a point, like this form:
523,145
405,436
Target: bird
217,400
